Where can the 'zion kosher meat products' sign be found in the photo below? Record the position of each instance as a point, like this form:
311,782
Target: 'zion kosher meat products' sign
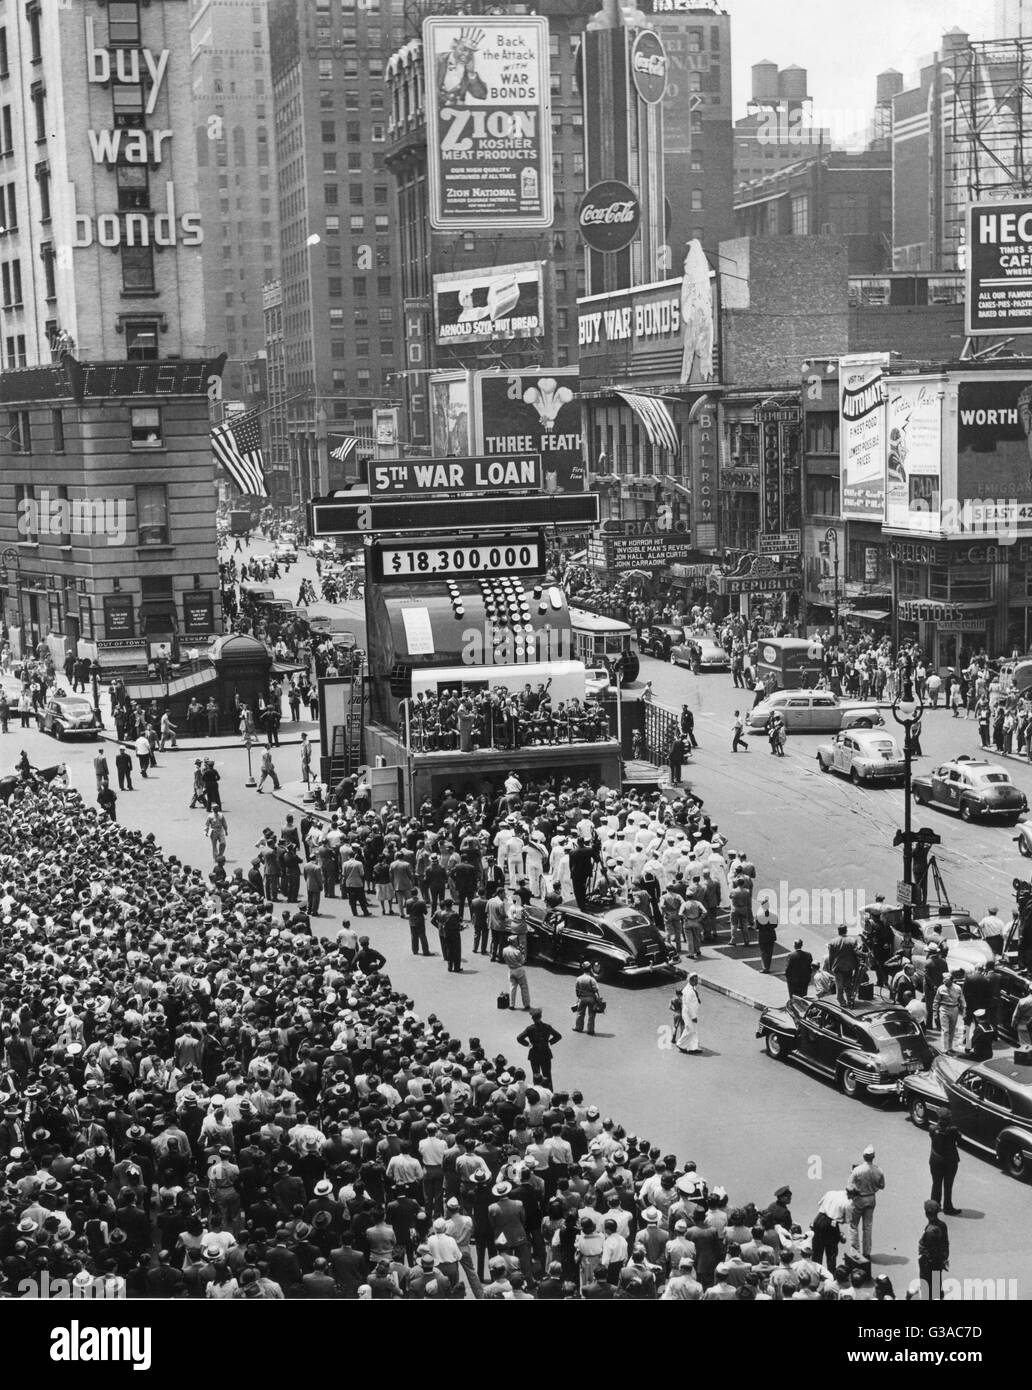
489,131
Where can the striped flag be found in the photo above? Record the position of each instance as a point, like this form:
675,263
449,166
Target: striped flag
655,416
342,446
237,446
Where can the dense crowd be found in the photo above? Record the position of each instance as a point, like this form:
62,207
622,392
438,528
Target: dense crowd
502,718
202,1099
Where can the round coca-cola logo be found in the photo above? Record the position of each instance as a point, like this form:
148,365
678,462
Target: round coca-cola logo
609,215
649,66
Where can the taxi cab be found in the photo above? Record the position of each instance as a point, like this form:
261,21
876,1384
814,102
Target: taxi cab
814,712
862,755
989,1102
971,787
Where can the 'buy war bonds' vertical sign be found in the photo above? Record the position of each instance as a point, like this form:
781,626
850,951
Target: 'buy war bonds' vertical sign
133,150
489,129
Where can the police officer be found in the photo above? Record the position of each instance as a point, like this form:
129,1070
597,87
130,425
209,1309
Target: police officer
588,999
539,1038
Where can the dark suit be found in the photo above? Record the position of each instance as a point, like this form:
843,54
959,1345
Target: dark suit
798,972
538,1038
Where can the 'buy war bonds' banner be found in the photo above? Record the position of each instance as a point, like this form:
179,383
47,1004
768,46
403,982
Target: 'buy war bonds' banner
489,131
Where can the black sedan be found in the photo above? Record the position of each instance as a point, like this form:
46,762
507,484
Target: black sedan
990,1103
868,1047
619,942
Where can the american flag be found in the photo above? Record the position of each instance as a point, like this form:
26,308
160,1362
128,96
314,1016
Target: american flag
237,445
342,446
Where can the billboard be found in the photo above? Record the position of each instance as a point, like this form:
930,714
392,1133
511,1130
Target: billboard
449,414
994,452
998,298
488,122
913,470
862,435
536,411
489,306
434,477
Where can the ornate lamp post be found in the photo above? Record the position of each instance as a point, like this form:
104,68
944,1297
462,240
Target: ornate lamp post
907,714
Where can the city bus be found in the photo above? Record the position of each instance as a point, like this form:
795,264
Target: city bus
601,642
788,663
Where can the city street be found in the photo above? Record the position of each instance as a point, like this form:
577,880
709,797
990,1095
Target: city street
750,1123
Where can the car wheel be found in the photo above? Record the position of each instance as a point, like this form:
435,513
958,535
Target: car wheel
1016,1163
854,777
57,731
848,1083
824,767
1024,848
775,1045
921,798
966,812
919,1112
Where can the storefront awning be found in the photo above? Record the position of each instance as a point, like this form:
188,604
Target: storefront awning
655,416
871,615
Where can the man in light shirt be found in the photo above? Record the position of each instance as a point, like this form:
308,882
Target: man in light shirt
431,1152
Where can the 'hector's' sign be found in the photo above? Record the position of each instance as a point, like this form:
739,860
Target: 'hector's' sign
999,268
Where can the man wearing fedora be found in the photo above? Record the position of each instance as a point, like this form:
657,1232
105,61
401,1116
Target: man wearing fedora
510,1235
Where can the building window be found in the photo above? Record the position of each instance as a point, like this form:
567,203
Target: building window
16,351
152,514
127,100
361,347
353,132
384,286
19,431
5,70
329,132
10,273
355,162
330,193
356,194
28,513
335,287
358,287
380,194
32,19
383,222
123,23
338,348
696,200
386,347
385,316
57,431
357,222
332,224
696,166
133,186
141,340
39,110
329,163
6,130
364,378
137,268
8,207
145,427
325,69
800,214
48,256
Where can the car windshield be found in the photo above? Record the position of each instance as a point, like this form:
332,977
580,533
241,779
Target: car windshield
890,1025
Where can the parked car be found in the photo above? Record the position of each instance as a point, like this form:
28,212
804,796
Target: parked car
862,755
619,942
700,654
971,787
989,1102
67,715
868,1047
814,711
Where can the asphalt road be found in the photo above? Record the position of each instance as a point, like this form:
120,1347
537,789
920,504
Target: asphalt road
750,1123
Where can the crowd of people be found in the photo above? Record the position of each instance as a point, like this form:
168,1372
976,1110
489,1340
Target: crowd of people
502,718
204,1100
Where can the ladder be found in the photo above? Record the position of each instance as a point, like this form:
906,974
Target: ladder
346,742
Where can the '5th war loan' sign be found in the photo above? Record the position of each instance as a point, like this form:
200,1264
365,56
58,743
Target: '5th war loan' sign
436,477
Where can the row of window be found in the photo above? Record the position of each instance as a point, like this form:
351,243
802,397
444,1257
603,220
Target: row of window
145,429
152,526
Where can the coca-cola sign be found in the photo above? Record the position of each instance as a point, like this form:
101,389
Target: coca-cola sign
609,215
649,66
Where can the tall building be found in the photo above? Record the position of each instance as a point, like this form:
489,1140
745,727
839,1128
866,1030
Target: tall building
779,129
697,126
339,259
232,114
107,489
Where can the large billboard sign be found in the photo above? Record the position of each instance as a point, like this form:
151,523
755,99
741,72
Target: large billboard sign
994,452
862,435
434,477
536,411
913,473
489,130
999,269
489,306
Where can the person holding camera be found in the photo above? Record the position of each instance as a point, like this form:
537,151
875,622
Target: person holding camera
589,999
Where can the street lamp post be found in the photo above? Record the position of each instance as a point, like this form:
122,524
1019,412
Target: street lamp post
907,714
95,682
829,546
248,740
12,556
